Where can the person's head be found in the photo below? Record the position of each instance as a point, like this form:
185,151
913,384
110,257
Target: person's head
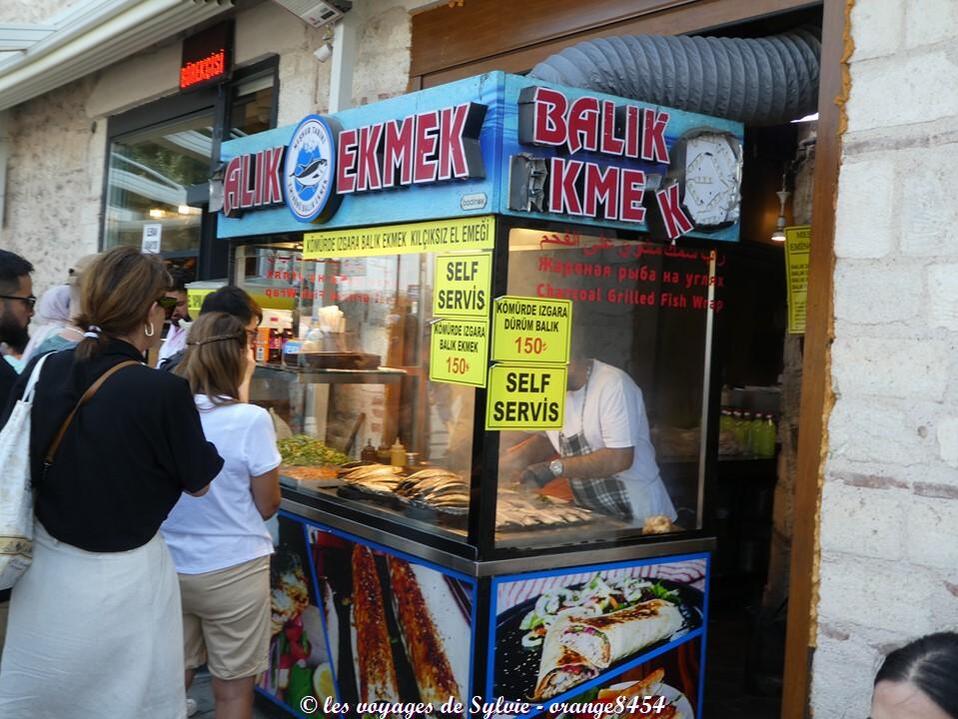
177,291
16,300
234,301
74,278
53,307
580,355
120,298
216,356
919,681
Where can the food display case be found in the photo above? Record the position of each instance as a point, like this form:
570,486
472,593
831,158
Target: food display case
488,363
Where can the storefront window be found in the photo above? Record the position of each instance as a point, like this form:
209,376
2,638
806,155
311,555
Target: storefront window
150,172
629,454
343,354
252,108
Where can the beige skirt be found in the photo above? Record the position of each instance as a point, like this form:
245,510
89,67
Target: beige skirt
94,635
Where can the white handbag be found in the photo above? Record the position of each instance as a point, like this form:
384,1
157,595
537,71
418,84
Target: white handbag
16,490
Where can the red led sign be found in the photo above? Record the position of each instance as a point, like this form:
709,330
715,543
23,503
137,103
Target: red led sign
207,56
212,67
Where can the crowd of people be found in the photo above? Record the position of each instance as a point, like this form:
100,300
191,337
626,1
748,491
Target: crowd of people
151,553
152,487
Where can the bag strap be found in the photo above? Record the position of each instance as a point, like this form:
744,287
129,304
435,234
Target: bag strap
87,396
34,376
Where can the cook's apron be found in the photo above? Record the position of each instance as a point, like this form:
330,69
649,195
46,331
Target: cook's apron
606,494
94,635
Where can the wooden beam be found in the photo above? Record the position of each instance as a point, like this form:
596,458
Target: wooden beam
817,397
483,40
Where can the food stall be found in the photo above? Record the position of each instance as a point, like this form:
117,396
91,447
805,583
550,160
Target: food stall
467,290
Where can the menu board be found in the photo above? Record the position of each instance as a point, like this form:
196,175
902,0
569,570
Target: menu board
633,630
355,625
798,243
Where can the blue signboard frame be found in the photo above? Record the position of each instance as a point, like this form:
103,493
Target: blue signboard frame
489,194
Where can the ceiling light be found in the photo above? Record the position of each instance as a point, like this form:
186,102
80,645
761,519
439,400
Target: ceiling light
157,214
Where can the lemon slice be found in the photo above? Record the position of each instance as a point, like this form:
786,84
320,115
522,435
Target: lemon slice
323,682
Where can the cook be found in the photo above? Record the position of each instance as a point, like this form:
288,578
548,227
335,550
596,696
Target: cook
604,447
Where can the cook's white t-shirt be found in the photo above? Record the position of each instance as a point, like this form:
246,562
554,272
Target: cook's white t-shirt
223,528
614,417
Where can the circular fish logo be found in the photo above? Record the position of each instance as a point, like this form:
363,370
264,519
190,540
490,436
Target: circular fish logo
309,170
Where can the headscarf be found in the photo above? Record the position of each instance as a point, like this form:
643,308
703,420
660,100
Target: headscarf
51,316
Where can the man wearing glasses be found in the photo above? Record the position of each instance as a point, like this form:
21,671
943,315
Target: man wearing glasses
16,309
233,301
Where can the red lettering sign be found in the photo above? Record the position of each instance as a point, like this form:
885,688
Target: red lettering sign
211,67
253,181
676,221
346,162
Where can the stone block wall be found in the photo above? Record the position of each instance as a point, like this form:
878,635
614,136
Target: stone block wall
57,142
889,530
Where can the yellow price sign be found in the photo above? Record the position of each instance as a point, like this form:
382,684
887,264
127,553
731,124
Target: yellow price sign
529,329
467,233
194,300
459,352
525,397
462,285
798,245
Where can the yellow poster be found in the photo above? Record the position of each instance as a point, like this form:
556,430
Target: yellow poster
529,329
459,351
525,397
463,284
194,300
467,233
798,243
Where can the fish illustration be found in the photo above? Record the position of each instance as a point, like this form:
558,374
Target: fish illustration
312,173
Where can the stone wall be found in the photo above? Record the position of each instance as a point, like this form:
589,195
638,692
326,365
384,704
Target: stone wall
889,533
56,143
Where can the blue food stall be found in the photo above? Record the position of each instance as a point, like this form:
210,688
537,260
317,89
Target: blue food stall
474,296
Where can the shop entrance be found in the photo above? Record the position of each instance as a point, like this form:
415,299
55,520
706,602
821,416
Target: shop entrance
765,507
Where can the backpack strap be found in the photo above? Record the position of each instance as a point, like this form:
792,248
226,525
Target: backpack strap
87,396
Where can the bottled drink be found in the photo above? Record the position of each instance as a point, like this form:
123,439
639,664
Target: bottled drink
755,434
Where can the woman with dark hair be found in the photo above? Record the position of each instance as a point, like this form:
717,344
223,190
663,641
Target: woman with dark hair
219,541
95,622
919,681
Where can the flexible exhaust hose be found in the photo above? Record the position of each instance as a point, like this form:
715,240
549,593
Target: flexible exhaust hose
757,81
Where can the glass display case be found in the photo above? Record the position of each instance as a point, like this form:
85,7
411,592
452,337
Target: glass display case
344,357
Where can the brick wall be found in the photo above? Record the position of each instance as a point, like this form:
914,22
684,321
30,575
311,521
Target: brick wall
889,530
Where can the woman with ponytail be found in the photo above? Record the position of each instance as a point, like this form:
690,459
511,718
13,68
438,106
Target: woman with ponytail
95,626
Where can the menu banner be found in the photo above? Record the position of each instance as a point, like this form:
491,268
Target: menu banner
194,300
529,329
798,243
469,233
459,351
526,397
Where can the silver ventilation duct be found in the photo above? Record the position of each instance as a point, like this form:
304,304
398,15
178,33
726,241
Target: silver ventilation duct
758,81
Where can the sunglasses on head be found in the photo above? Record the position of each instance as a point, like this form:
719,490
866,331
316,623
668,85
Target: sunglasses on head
167,303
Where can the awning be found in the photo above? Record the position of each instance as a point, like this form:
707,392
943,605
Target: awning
35,59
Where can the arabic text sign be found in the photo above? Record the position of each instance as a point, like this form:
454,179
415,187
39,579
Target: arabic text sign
798,242
472,233
462,285
526,397
529,329
459,351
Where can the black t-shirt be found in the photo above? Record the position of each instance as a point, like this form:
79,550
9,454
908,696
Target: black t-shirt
127,456
8,378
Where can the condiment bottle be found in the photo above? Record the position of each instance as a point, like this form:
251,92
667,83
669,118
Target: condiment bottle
369,452
397,454
382,454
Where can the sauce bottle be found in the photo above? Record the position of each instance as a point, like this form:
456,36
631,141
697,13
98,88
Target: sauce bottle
397,454
369,453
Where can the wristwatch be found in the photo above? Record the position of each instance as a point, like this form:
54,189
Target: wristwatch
555,466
